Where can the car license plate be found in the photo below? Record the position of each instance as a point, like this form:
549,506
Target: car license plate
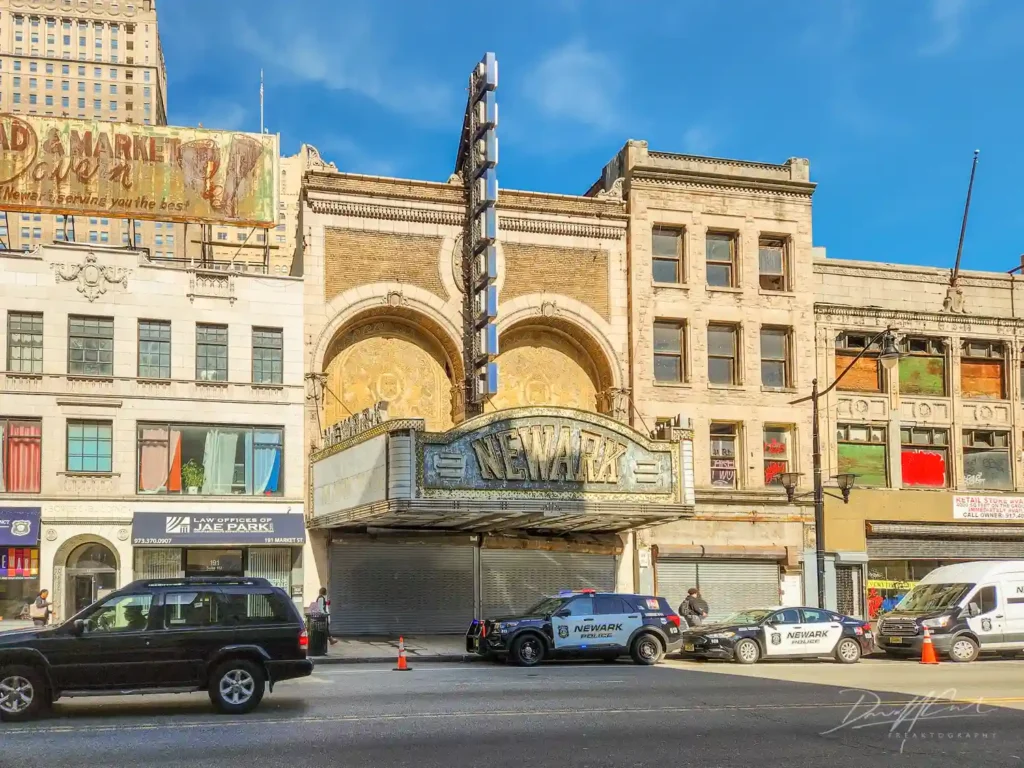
476,643
688,647
895,641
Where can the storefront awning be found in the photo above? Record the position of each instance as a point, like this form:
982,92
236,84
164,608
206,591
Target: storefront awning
946,530
478,515
19,526
172,529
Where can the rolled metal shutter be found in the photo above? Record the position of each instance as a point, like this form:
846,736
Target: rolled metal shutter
731,586
944,549
516,579
163,563
273,564
400,589
674,578
849,590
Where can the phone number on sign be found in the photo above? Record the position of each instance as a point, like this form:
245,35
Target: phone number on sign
151,541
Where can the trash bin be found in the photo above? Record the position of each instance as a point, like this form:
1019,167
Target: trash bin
316,626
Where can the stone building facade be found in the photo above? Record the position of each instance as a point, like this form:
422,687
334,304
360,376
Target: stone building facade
151,424
936,443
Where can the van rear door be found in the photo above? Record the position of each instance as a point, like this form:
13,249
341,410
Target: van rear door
1013,598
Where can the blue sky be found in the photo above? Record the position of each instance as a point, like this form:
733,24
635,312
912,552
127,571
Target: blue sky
888,98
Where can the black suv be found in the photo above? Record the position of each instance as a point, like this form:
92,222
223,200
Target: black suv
581,623
228,636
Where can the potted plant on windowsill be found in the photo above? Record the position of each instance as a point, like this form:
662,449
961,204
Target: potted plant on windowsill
192,476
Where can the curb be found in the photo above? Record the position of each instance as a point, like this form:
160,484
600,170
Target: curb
434,658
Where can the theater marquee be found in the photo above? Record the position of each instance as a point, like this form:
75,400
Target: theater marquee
131,171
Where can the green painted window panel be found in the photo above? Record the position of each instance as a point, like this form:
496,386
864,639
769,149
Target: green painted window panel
922,376
865,460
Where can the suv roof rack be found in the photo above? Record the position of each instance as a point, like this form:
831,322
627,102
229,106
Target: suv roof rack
181,581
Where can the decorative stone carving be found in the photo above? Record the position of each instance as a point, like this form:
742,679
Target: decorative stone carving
541,368
23,382
614,192
456,179
51,534
861,406
395,299
92,277
210,284
386,212
954,301
314,162
122,534
984,413
88,485
561,228
549,309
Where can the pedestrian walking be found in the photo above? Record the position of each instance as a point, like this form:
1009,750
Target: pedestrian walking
323,606
694,608
41,609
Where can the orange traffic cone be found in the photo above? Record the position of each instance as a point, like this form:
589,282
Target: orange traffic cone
927,649
403,665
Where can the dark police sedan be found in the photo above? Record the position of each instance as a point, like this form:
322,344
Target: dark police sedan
775,633
584,623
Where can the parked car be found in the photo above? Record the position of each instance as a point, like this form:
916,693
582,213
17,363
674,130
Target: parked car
584,623
230,637
780,632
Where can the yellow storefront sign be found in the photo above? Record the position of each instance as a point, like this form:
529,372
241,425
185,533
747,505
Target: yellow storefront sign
125,170
889,584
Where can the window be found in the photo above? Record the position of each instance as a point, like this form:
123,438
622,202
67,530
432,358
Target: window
987,460
580,606
924,456
775,357
923,367
49,84
104,236
222,235
21,447
90,446
81,103
17,82
722,354
981,369
25,342
723,455
669,341
862,451
124,613
159,239
65,69
91,346
667,255
721,254
97,104
81,71
815,616
211,352
93,236
771,258
17,98
611,605
211,460
776,453
267,355
986,599
788,616
65,101
242,237
145,75
223,608
113,106
154,349
866,374
81,87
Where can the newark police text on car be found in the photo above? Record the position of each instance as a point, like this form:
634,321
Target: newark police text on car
780,632
584,623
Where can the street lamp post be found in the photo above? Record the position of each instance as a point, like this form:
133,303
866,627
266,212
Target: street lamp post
889,356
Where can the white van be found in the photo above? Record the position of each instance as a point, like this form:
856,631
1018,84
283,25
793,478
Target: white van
969,608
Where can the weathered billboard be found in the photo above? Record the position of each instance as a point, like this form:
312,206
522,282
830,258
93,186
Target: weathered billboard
126,170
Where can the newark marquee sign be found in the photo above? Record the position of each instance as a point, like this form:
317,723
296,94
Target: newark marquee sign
548,452
132,171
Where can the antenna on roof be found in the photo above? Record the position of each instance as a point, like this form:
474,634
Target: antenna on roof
954,301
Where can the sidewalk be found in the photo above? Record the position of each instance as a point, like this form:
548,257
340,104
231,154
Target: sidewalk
369,650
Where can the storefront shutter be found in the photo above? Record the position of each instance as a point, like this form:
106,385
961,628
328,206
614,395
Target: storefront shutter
273,564
850,590
944,549
727,585
400,589
515,579
674,578
158,563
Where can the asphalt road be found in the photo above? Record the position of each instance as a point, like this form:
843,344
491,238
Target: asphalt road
564,715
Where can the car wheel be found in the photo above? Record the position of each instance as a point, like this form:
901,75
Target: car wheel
237,686
527,650
747,651
646,650
963,650
22,693
848,651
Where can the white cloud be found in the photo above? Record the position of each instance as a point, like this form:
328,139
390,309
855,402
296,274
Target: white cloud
948,19
348,55
576,84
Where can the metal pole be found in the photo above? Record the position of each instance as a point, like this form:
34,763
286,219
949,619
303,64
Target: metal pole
963,226
819,496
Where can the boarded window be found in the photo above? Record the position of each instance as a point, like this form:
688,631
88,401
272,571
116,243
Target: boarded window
923,367
981,370
723,455
777,444
866,373
987,459
862,452
924,456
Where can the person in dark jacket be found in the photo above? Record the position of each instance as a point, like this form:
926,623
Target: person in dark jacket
694,608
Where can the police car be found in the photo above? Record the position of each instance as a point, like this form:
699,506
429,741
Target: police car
779,632
581,623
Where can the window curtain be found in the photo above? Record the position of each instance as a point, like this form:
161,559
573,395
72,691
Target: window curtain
219,462
160,461
174,476
266,462
24,457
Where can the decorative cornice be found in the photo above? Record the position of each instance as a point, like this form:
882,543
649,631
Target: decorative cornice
719,161
881,271
395,425
907,320
562,228
387,212
798,190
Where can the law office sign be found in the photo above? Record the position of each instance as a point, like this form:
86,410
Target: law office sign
544,452
174,529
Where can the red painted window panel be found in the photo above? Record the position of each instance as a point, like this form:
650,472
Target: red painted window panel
923,469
